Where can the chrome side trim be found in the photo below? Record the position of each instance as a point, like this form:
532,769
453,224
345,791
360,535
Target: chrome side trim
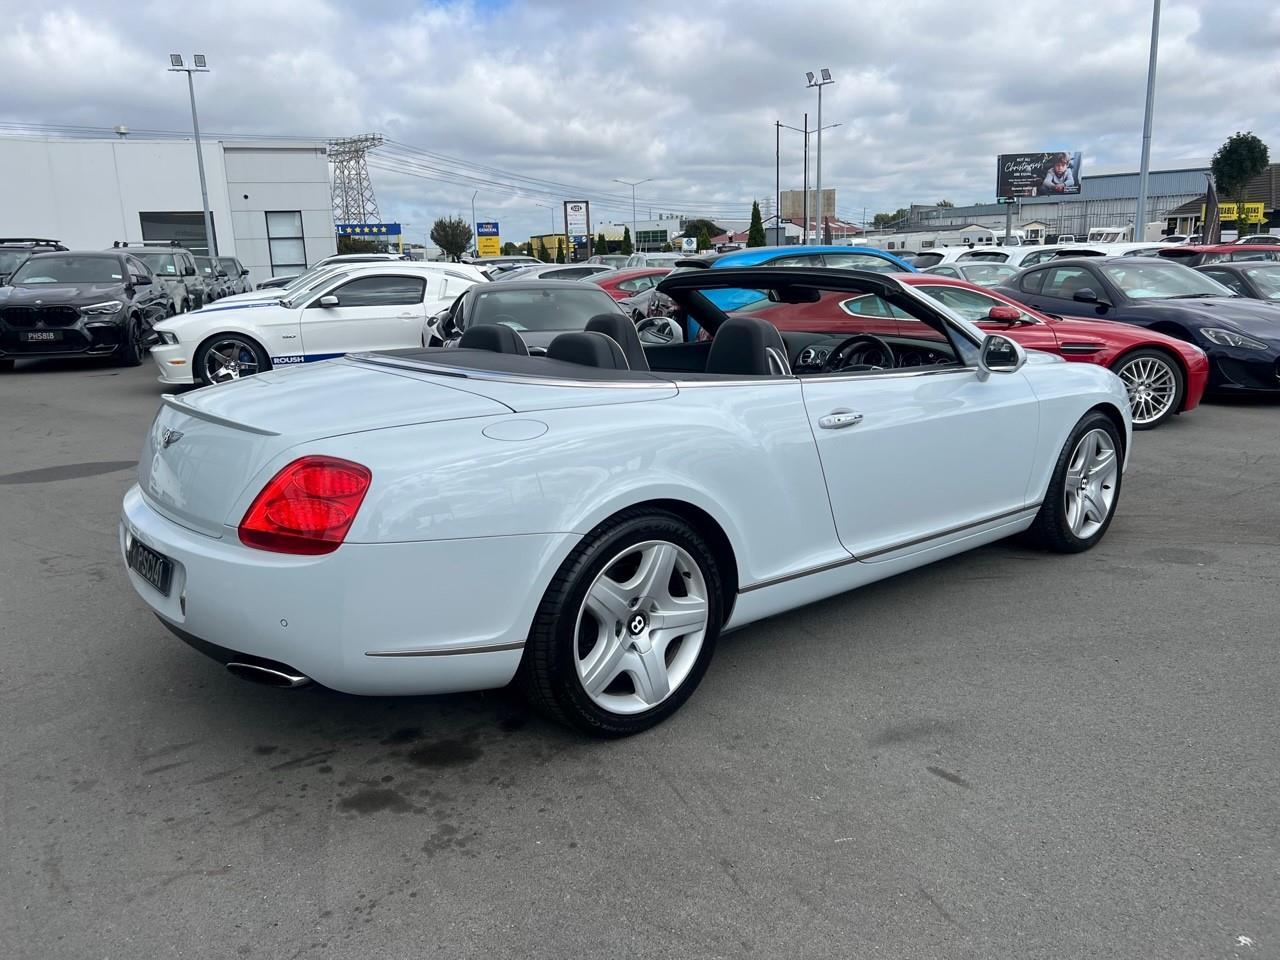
449,651
893,548
927,371
471,373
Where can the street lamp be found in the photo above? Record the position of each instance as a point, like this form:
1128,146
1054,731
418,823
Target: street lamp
819,82
634,239
804,203
474,239
201,66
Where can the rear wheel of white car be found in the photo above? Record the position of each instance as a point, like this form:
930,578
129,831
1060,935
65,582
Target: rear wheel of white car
628,626
229,356
1084,489
1155,384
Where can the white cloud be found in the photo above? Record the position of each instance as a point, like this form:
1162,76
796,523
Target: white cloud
928,91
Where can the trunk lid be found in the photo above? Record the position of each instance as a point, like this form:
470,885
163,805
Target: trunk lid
206,446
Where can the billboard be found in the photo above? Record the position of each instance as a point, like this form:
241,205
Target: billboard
1253,212
368,231
488,240
1052,174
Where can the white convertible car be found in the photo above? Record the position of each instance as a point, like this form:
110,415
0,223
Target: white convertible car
590,521
351,307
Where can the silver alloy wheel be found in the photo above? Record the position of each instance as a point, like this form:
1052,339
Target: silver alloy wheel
1152,386
641,626
1091,483
230,359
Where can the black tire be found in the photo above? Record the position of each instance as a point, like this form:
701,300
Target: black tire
1051,529
201,355
548,674
185,307
6,364
1166,361
131,349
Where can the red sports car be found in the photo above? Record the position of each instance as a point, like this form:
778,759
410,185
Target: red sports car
1194,256
1165,376
629,281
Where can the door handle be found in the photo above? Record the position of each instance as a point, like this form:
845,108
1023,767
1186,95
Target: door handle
839,419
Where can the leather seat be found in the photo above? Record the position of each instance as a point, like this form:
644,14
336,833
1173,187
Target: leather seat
748,347
588,349
493,336
623,332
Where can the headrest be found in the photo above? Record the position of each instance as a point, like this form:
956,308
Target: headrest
588,349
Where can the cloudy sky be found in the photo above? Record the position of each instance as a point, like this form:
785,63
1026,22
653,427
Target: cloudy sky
570,95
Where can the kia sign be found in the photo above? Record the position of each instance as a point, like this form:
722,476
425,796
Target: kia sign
1052,174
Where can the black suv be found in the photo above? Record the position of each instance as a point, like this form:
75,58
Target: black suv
89,304
13,250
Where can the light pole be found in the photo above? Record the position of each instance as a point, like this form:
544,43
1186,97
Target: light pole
635,241
473,222
1140,214
804,203
819,82
200,66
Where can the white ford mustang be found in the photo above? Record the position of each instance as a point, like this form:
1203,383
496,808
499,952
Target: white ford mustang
354,307
589,522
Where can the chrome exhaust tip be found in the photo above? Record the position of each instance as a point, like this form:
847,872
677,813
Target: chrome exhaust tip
279,676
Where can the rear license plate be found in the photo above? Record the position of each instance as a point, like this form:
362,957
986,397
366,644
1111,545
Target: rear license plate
155,568
40,336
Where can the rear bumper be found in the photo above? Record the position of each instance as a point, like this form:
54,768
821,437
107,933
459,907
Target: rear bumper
1197,381
382,619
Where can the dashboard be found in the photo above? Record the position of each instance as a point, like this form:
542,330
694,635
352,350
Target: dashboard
809,352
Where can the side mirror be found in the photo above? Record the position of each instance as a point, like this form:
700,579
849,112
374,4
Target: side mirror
1000,355
188,271
140,280
244,271
1087,295
328,301
1003,313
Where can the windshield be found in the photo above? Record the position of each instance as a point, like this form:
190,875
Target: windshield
541,309
314,282
1267,280
1153,281
68,269
9,259
303,281
987,274
162,264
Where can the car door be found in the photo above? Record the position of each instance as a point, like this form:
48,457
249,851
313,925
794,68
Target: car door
151,299
913,454
1052,289
369,312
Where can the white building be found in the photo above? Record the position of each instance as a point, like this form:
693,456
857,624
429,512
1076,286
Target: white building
270,200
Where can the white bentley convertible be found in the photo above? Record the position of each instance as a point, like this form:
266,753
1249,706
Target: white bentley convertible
590,521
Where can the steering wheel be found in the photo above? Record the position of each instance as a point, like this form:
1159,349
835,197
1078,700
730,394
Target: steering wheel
838,359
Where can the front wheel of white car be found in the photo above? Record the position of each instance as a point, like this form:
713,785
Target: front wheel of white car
1085,487
229,356
628,626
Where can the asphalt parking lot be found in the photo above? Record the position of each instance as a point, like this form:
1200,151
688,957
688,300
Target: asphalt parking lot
1007,754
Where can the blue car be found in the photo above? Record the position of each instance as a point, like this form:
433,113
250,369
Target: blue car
832,258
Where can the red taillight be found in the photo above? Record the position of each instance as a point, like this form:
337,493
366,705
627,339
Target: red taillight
307,508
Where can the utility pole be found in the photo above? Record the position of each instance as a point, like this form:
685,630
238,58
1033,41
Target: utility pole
1140,214
473,222
805,203
200,66
777,177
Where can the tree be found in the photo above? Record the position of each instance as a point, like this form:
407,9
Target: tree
529,249
626,247
452,235
602,245
356,245
693,228
559,253
704,239
944,203
510,249
887,219
1238,161
755,233
667,248
543,254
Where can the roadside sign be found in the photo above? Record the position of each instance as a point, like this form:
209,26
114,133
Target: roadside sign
488,240
689,245
367,231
